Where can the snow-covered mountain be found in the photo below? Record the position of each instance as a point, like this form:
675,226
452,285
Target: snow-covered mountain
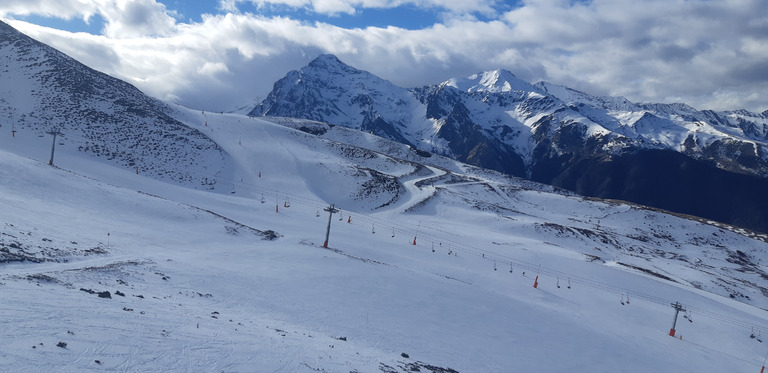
43,90
672,156
433,265
429,268
328,90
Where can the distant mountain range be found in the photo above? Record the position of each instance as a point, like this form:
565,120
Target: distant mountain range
670,156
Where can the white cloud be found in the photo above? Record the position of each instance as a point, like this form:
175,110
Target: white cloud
123,18
649,50
66,9
136,18
332,7
710,54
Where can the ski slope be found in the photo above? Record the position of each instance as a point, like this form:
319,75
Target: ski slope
207,286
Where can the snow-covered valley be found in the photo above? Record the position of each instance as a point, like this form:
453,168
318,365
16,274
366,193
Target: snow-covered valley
236,278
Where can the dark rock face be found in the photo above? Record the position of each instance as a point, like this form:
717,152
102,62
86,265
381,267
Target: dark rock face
382,128
672,181
469,143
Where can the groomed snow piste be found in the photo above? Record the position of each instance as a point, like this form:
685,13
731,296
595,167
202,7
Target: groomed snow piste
235,279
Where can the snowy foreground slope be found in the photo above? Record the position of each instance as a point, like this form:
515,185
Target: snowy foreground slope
236,279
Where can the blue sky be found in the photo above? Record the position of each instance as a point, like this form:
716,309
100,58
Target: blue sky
406,16
222,54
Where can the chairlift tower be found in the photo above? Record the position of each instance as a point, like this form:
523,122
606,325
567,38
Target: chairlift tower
330,210
55,132
678,307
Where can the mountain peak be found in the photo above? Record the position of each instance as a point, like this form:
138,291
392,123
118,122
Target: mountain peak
329,62
329,90
494,81
326,59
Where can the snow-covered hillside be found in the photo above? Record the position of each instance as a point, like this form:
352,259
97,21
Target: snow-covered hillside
239,281
670,156
43,90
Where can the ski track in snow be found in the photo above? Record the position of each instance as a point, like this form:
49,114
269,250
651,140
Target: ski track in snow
417,195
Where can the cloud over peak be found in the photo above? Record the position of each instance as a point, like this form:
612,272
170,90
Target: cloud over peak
708,53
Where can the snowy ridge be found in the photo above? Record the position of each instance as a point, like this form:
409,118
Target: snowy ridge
572,96
496,81
42,90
